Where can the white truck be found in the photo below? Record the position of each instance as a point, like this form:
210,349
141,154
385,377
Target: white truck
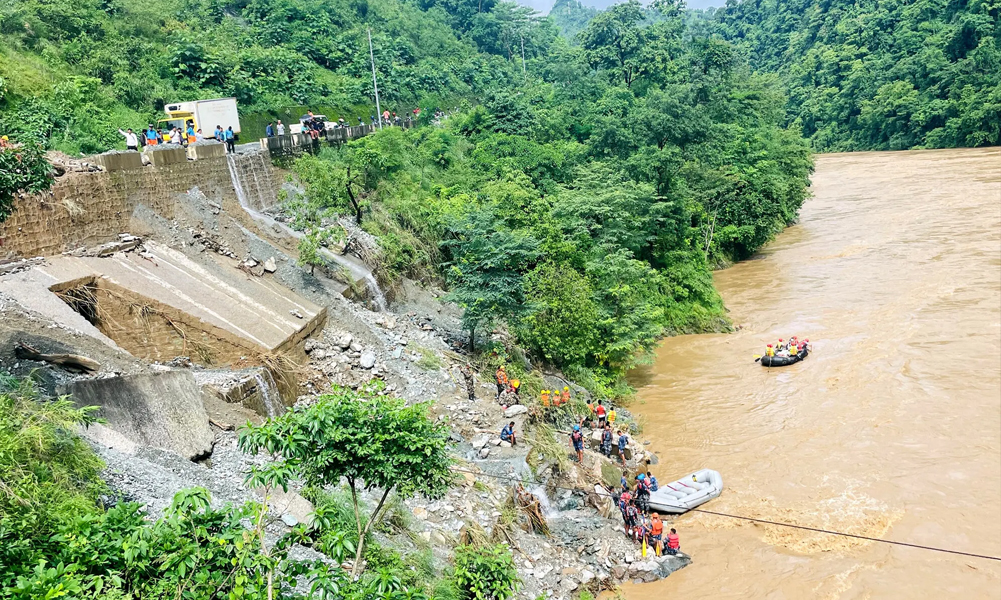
206,114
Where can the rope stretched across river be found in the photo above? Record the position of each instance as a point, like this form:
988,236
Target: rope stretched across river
779,524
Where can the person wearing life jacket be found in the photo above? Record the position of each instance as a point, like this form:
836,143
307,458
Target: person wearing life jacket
601,413
545,397
501,380
565,396
642,493
673,542
190,132
577,441
606,441
151,139
652,482
515,386
656,533
611,416
769,351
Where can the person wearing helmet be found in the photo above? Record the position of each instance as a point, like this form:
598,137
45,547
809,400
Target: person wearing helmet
565,396
642,494
577,441
545,397
769,351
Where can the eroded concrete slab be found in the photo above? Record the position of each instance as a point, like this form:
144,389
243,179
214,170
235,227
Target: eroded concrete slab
244,313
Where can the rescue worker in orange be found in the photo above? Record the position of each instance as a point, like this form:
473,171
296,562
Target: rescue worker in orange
565,396
657,533
502,380
545,397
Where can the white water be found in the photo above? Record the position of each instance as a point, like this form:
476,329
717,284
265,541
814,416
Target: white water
357,269
547,507
273,404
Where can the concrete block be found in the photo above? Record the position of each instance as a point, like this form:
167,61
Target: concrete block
207,149
160,156
119,161
160,410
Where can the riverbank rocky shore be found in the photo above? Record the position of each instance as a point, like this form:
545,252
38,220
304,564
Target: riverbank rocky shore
415,348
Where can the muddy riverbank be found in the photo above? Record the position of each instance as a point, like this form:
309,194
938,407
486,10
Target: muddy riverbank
891,428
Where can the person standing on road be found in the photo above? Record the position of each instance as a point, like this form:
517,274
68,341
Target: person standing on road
230,140
150,136
269,131
281,128
220,135
131,140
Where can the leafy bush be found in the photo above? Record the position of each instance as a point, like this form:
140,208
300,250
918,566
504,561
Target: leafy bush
23,169
485,573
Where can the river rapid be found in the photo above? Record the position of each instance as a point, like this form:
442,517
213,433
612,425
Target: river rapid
890,429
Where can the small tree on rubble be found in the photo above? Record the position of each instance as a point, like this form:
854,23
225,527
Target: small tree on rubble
371,441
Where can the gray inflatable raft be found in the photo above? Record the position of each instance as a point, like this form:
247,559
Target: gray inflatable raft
687,493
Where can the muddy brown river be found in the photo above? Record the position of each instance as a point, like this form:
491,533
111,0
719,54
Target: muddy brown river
890,429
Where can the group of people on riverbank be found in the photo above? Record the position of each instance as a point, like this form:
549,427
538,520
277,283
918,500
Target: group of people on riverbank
641,525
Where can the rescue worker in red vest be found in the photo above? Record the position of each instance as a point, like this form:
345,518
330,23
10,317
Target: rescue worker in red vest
565,396
673,542
601,413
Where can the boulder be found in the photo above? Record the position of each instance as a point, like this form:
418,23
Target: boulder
344,341
270,265
160,410
485,452
289,504
504,444
367,360
514,411
420,512
480,440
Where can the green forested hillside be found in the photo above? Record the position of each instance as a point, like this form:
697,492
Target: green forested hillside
73,71
585,208
879,74
581,196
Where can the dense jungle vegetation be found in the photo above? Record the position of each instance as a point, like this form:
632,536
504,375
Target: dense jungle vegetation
877,75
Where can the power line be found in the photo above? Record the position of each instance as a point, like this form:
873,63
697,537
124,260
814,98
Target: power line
779,524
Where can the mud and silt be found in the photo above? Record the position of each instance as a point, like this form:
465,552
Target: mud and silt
891,428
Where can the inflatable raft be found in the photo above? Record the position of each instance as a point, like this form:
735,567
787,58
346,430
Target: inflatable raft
687,493
783,361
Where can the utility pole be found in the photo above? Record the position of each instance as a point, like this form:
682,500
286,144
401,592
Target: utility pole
524,73
375,84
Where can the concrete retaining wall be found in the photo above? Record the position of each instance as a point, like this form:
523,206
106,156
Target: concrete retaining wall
88,209
162,410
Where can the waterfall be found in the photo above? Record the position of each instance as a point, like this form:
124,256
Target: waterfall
547,508
266,387
358,269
